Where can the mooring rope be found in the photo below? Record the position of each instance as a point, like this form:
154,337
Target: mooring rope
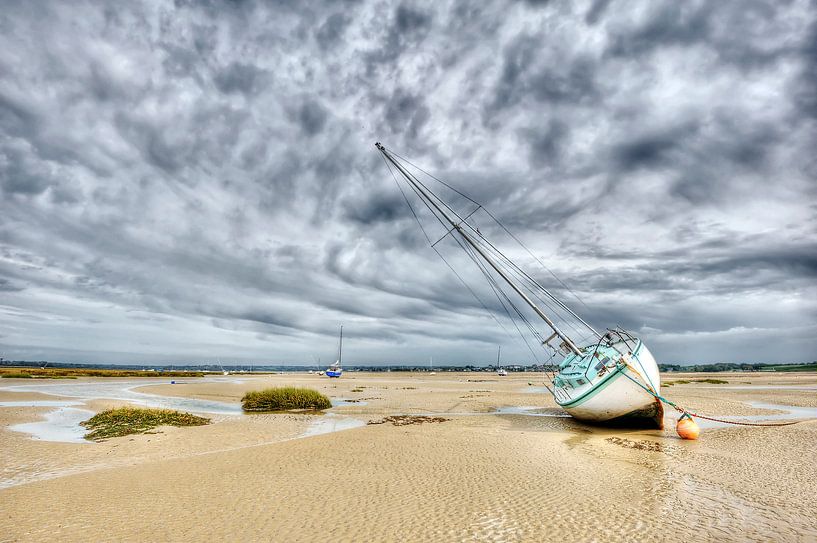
685,413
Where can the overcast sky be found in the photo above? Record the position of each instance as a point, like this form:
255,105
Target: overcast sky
187,181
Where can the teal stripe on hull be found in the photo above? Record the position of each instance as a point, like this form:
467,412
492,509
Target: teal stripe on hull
593,391
600,386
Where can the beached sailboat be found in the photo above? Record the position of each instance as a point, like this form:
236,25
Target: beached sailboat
336,369
608,377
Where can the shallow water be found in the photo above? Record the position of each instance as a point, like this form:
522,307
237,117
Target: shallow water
790,412
329,423
536,390
41,403
340,402
768,387
59,425
530,411
125,391
63,425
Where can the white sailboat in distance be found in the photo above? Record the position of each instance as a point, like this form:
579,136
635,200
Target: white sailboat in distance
608,377
336,369
502,372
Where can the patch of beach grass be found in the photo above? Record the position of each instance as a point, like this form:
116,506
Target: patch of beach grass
16,376
136,420
284,399
406,420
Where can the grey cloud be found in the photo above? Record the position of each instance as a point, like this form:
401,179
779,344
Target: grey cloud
200,179
312,117
239,77
667,24
406,113
743,34
378,207
332,30
408,28
652,149
806,92
9,286
557,77
596,11
547,142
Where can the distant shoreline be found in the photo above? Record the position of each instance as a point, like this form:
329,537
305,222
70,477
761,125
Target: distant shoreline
173,370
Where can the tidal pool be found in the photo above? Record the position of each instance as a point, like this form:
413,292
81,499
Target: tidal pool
62,424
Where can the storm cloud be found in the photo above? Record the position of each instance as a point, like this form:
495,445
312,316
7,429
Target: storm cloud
187,181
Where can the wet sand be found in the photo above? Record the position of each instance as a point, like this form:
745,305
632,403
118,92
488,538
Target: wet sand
475,477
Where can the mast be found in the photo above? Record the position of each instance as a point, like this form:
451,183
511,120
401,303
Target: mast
340,348
498,352
457,225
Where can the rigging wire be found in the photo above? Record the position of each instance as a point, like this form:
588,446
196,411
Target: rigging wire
469,252
450,267
497,289
428,197
429,194
533,288
511,234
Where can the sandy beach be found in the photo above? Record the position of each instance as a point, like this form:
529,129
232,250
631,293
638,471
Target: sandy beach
491,472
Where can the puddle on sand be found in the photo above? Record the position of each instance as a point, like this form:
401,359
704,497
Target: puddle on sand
59,425
329,423
62,424
790,413
536,390
40,403
768,387
340,402
530,411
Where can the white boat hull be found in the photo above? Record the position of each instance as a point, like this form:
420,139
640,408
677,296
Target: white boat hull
619,395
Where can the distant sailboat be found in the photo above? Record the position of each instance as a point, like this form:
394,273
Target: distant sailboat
336,369
430,368
602,377
501,371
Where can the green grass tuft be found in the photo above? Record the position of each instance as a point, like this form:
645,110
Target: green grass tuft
136,420
16,375
712,381
283,399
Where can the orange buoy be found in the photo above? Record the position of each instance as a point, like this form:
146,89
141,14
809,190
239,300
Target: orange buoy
687,428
